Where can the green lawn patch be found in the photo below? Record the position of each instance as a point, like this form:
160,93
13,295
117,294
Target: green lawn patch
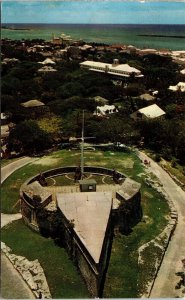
62,276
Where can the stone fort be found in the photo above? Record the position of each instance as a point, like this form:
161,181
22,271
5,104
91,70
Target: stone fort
88,213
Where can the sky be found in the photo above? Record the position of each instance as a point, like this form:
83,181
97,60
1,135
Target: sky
93,12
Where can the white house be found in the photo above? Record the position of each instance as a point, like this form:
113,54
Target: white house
179,87
149,112
117,69
47,61
105,110
32,103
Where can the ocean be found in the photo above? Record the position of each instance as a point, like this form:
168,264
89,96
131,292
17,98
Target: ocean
170,37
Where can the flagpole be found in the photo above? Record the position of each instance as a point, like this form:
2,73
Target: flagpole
82,148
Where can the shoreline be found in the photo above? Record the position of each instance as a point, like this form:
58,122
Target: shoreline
12,29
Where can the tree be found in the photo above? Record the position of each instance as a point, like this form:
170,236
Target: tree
28,137
53,127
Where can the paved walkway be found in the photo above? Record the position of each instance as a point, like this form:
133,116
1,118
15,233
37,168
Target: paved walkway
15,165
12,284
164,285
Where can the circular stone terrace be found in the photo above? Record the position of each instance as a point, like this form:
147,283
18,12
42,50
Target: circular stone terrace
61,180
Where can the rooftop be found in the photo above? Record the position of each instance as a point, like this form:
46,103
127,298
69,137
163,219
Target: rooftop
89,213
36,189
179,87
146,97
112,67
4,131
106,109
47,69
152,111
32,103
47,61
129,188
4,116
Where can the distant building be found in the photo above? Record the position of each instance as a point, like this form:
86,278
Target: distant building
143,52
64,40
34,108
10,61
47,69
105,110
150,112
179,87
4,119
116,69
85,47
47,61
32,103
147,97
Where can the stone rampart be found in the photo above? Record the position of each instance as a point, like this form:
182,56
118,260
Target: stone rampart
31,272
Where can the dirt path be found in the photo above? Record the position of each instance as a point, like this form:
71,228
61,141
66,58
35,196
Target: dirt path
164,285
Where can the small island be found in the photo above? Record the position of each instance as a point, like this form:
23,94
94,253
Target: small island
165,36
13,28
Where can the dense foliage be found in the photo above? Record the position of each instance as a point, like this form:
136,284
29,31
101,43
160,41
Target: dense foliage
71,89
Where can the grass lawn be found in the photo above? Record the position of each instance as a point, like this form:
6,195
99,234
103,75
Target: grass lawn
123,276
176,171
62,276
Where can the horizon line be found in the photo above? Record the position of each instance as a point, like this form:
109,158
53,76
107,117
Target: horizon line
93,23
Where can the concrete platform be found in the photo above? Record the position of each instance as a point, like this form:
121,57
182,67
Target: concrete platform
89,212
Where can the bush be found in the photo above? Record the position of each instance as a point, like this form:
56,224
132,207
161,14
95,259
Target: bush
157,157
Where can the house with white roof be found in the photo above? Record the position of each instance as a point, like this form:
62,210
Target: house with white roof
47,61
105,110
149,112
179,87
47,69
116,69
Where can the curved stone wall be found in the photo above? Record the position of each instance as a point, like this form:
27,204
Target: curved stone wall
66,170
29,211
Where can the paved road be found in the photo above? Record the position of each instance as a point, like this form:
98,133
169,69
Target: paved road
12,167
164,286
12,284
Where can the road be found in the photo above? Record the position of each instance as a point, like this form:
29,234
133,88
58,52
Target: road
15,165
164,285
12,284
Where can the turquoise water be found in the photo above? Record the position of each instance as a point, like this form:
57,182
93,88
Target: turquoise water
168,36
